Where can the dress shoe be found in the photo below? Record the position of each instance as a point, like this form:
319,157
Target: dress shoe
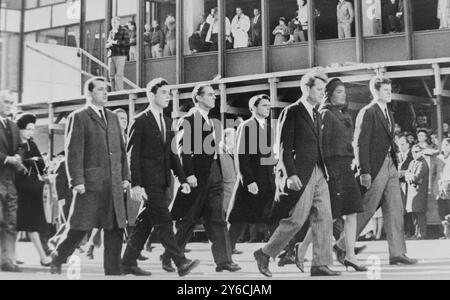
142,258
55,267
340,254
187,267
402,260
237,252
357,268
231,267
359,250
10,268
46,262
136,271
300,263
263,263
287,259
90,253
167,264
323,271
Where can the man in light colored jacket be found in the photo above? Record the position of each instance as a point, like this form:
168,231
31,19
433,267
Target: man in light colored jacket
345,17
240,26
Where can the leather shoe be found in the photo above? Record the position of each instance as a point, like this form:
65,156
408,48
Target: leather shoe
402,260
10,268
340,254
323,271
167,264
237,252
55,267
231,267
263,263
359,250
136,271
90,253
142,258
286,260
187,267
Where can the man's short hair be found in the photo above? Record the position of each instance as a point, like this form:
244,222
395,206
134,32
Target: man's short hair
199,90
309,79
403,138
378,81
6,93
115,19
256,100
423,131
416,147
120,110
89,85
154,85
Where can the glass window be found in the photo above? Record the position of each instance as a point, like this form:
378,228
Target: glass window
383,17
94,44
73,36
430,14
246,26
52,36
199,15
30,37
288,23
335,20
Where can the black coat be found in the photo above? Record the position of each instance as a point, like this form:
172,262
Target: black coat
255,151
152,159
9,146
373,139
30,213
196,160
300,152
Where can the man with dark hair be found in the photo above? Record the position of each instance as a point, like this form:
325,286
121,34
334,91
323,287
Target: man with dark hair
256,29
304,172
151,162
118,46
377,165
98,173
11,162
198,147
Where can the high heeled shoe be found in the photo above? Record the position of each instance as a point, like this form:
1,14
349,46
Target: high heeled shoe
357,268
46,264
300,263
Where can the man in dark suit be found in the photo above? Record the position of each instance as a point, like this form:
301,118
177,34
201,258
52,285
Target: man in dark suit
255,165
303,165
198,147
376,160
98,173
256,29
151,162
11,163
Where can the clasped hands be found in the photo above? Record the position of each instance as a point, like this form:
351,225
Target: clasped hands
16,162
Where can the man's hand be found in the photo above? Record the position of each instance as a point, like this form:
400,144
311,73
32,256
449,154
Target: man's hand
366,181
125,184
138,194
294,183
186,188
80,189
192,180
253,188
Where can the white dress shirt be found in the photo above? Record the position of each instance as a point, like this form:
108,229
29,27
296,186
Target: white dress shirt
262,122
158,114
385,111
308,106
99,111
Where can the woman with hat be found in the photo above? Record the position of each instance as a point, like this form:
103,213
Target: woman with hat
281,32
30,187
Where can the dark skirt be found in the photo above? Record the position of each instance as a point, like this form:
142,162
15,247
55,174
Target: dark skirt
345,193
30,212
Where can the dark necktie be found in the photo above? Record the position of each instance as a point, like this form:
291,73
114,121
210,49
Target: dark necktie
102,114
387,117
316,119
161,122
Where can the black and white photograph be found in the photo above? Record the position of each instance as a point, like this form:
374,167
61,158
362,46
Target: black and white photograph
224,145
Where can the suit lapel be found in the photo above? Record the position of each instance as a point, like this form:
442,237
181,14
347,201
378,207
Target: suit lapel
304,113
96,118
3,136
15,133
383,120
